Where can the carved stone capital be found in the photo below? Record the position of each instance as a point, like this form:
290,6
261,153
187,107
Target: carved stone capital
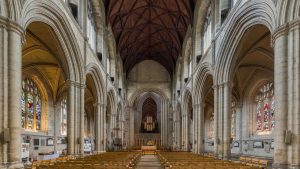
11,25
284,30
99,105
75,84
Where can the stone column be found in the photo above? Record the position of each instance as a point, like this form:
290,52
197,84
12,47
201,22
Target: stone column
56,125
82,18
97,107
108,131
216,118
239,126
3,85
70,121
103,127
217,15
201,127
131,126
183,133
280,84
174,128
163,122
81,113
179,126
185,130
14,73
196,127
177,134
227,120
220,121
296,112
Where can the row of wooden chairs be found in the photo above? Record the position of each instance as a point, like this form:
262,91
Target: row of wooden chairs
254,161
185,160
110,160
35,164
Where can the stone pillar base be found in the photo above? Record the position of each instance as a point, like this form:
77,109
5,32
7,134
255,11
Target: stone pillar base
283,166
99,152
14,165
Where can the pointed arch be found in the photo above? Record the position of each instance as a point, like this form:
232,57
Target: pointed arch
247,15
199,82
48,12
288,11
96,73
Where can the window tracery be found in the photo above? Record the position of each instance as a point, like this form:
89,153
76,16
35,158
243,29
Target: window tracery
207,31
265,109
233,120
63,116
31,106
91,33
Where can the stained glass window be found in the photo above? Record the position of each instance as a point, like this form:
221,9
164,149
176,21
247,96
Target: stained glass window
265,109
233,120
31,106
63,117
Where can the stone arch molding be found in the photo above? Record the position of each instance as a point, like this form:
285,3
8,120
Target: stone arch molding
11,9
50,13
185,99
112,96
203,72
287,11
120,108
187,91
186,53
161,93
250,13
95,71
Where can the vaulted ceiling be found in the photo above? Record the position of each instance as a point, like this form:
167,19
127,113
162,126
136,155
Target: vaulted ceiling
149,29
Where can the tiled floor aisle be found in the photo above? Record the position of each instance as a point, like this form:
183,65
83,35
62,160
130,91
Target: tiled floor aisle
149,162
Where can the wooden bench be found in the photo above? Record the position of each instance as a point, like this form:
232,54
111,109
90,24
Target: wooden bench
184,160
254,161
115,160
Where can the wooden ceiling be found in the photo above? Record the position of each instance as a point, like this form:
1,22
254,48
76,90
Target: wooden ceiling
149,29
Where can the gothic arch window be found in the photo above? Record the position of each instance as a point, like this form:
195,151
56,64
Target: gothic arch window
31,106
63,116
225,8
91,33
190,65
207,31
265,109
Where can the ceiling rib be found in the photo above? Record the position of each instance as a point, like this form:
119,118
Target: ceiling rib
149,29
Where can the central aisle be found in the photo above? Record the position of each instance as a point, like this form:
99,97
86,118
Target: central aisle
149,162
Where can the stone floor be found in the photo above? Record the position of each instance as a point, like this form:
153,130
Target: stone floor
149,162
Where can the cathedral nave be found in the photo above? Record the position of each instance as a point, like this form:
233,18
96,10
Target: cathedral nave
140,84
